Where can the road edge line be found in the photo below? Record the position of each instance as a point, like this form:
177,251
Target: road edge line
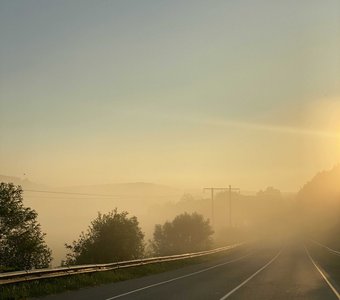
251,277
326,247
334,290
178,278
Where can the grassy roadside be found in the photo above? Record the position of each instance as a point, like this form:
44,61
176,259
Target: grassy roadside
38,288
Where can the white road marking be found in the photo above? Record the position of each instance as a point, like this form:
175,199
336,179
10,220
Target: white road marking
177,278
323,275
324,246
251,277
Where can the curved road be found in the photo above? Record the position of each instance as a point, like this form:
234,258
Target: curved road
267,272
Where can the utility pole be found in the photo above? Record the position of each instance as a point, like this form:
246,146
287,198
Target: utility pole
230,206
225,189
212,204
212,189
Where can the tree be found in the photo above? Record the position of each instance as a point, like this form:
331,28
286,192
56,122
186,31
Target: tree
110,237
186,233
22,244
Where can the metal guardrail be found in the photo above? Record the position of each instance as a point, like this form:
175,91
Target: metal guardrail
37,274
325,247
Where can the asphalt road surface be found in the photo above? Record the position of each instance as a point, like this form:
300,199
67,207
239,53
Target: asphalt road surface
267,272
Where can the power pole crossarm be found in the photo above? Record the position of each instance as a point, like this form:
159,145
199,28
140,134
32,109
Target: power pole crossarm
225,189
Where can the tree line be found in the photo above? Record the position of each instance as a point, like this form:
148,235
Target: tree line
110,237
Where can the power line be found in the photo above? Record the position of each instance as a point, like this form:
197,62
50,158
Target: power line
108,196
34,197
72,193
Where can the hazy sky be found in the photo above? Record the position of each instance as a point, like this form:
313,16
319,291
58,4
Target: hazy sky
186,93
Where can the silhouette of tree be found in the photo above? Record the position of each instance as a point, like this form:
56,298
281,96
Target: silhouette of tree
22,243
186,233
110,237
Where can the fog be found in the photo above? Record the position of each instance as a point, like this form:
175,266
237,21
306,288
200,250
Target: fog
142,105
312,212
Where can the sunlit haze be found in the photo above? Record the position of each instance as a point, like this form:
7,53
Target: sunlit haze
185,94
166,149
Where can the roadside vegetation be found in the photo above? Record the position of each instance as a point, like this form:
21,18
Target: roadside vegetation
45,287
22,244
186,233
110,237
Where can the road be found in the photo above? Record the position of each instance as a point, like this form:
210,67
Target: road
262,272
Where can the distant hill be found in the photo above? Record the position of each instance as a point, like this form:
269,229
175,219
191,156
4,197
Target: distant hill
25,183
127,189
136,190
